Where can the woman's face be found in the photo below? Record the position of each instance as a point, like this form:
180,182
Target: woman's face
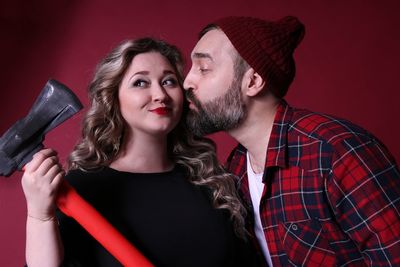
150,96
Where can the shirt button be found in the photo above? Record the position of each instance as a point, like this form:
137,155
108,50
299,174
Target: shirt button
294,227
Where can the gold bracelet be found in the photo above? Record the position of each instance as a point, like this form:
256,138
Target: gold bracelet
50,218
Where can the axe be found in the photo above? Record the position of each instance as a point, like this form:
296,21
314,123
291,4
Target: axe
55,104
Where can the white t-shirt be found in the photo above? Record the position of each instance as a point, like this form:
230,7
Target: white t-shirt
256,187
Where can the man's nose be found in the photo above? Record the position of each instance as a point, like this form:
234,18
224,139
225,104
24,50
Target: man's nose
188,83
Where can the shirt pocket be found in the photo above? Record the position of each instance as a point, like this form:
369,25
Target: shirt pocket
305,245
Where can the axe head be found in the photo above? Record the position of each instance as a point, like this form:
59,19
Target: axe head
21,141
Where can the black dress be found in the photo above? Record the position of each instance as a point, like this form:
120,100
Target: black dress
170,220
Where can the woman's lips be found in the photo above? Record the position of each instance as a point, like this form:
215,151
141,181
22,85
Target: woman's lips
161,110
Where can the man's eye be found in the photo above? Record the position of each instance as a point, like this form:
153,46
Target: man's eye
140,83
203,70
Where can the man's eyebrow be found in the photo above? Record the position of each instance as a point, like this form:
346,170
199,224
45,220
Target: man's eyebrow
202,55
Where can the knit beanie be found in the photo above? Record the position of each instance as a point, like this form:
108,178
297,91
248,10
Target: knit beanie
267,46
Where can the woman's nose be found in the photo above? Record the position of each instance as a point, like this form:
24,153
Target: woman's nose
160,94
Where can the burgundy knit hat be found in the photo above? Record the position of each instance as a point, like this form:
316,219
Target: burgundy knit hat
267,46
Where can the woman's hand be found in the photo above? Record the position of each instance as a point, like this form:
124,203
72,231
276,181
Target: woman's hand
40,183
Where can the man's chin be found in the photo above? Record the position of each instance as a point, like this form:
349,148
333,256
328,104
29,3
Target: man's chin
191,116
191,122
195,124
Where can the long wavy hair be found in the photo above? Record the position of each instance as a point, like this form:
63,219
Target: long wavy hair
103,129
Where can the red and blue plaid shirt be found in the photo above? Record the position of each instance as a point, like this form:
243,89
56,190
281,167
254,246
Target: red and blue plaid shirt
331,195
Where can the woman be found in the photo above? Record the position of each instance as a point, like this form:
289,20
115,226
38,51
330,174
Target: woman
162,188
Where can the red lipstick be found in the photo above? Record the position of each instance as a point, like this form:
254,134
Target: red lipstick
161,110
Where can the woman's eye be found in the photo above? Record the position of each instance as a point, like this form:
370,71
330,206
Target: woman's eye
140,83
170,82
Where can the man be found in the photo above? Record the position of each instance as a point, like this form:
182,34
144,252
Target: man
322,191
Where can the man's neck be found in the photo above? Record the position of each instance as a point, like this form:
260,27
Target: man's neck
255,131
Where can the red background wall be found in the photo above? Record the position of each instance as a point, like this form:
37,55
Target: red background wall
347,65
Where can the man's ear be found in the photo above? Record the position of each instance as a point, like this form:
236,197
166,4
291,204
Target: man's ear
254,83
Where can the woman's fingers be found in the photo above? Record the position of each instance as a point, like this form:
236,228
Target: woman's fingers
53,173
58,179
38,159
40,182
48,167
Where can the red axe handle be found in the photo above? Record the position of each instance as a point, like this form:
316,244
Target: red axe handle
73,205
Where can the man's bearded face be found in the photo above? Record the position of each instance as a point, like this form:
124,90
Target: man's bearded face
220,114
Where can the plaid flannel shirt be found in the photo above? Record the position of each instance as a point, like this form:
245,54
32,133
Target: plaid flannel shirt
332,193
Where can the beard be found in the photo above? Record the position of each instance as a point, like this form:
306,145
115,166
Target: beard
221,114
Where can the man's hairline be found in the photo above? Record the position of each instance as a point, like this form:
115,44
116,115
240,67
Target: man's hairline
235,55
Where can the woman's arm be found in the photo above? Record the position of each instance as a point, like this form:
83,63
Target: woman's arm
40,183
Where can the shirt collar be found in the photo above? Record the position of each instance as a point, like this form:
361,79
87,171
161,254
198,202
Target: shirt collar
277,145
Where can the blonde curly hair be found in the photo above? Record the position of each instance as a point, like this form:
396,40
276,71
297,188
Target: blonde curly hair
104,128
